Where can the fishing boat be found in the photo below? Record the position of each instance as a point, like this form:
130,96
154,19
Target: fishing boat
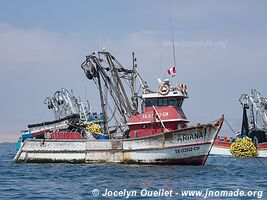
222,146
137,125
254,126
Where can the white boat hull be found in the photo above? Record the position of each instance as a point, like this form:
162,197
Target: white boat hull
218,151
186,146
262,153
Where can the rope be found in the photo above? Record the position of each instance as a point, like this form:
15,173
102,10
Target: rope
229,126
157,115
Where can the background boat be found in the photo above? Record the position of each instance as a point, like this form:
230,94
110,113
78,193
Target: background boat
254,126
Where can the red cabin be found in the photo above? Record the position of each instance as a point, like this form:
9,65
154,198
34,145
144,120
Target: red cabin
162,112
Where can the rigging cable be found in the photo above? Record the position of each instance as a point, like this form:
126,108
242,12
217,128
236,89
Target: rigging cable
173,45
229,126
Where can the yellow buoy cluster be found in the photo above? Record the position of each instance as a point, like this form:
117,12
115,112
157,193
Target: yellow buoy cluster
243,147
92,127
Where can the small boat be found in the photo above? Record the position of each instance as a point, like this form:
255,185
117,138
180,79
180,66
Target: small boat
222,148
157,132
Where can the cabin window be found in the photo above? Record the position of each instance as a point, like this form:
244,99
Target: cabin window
171,101
180,102
151,102
163,102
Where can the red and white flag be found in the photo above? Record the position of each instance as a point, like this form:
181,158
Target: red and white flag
172,71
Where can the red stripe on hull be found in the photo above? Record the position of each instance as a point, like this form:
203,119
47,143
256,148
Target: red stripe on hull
262,146
39,133
222,144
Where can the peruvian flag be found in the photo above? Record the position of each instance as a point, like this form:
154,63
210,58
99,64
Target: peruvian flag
172,71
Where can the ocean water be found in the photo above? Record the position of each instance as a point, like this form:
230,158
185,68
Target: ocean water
77,181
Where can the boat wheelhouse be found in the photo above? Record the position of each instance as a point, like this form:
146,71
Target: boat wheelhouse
162,112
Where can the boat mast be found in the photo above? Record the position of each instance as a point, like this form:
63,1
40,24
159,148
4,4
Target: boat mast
245,126
173,44
106,71
103,105
123,98
256,109
133,86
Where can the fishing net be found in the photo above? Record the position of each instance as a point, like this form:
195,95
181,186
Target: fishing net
243,147
92,127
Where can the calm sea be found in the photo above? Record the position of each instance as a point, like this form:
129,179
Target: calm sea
76,181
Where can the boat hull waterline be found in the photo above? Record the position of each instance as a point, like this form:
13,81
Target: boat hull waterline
186,146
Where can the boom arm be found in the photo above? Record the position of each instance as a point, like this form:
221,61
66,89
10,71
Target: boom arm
106,67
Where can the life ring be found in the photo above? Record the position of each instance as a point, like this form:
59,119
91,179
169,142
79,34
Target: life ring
164,89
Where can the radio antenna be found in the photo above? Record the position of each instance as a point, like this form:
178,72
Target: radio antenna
173,44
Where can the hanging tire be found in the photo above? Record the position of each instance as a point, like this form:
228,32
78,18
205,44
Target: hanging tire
50,105
93,71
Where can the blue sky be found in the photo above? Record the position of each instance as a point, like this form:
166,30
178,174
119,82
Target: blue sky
221,50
